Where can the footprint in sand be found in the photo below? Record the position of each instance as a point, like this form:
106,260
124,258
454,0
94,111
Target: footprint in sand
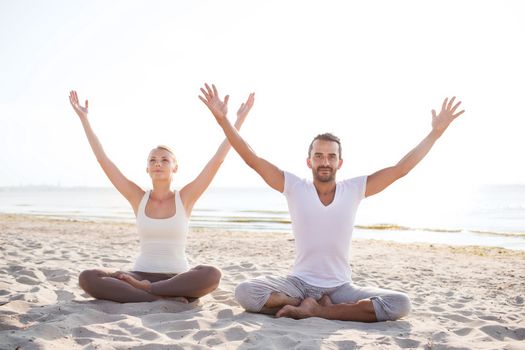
39,295
178,334
407,343
33,245
465,312
235,333
64,295
458,318
456,305
57,275
240,277
10,322
500,332
346,344
225,314
490,318
14,268
220,295
516,301
463,331
4,290
230,268
436,309
200,335
28,280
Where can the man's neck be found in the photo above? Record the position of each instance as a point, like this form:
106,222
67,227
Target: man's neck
325,188
325,191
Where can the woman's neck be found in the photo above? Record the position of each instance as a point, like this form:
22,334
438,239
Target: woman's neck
161,191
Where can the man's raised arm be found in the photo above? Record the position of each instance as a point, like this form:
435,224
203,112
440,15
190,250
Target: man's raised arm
271,174
381,179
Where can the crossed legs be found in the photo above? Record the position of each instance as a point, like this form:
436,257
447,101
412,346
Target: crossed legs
291,297
125,287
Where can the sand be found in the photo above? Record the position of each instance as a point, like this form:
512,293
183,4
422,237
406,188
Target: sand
463,297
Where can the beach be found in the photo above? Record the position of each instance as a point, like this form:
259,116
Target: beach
464,297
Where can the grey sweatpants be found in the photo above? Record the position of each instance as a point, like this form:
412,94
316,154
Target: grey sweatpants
388,305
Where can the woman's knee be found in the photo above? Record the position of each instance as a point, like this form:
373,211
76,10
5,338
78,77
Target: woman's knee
212,274
87,279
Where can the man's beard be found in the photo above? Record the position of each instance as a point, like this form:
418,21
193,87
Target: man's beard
327,176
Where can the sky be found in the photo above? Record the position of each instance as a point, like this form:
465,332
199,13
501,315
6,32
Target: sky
368,71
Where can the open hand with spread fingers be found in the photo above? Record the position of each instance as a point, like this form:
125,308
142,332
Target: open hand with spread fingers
245,107
441,121
218,107
82,111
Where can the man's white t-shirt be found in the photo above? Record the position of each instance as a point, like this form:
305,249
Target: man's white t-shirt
322,233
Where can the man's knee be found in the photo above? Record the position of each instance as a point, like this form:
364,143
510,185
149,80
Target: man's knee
245,295
404,306
392,307
400,306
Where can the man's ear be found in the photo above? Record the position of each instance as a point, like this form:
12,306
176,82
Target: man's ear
309,163
340,163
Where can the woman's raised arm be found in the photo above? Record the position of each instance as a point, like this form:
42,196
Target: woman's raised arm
127,188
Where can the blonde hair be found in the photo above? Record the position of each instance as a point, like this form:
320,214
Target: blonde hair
167,149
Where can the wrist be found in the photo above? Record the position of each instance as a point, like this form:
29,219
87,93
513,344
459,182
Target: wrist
435,133
223,122
239,122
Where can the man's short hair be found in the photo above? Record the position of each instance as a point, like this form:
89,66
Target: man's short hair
326,137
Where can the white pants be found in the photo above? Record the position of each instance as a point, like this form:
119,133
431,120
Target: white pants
388,305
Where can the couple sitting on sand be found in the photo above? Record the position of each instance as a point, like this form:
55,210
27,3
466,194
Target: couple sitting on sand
322,213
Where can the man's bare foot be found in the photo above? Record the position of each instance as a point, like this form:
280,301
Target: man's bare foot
277,299
144,284
307,309
325,301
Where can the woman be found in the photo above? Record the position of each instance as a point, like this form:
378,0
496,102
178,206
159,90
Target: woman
161,269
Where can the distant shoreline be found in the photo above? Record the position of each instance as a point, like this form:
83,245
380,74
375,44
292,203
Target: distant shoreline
392,233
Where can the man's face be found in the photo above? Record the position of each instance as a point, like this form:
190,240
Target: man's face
324,160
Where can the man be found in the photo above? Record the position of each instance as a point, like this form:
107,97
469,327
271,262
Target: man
322,213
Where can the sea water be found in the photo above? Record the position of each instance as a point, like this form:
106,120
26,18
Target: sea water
491,215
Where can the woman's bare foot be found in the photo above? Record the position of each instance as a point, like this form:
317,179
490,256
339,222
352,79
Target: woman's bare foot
182,300
144,284
307,309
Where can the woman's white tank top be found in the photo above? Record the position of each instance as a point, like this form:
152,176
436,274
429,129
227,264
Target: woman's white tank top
162,241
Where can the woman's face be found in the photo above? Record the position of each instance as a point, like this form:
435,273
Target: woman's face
161,164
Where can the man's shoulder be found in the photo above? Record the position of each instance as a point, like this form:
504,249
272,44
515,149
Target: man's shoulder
292,181
354,180
355,184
